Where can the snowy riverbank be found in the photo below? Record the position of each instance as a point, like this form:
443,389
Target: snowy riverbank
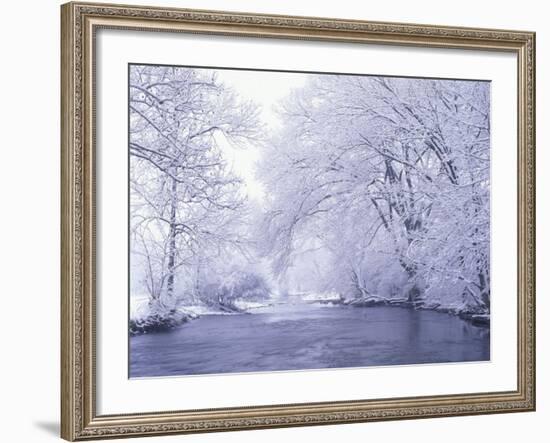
143,320
464,309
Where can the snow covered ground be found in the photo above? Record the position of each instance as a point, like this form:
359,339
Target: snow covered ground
320,296
139,308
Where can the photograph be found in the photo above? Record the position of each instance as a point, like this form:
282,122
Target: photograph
289,220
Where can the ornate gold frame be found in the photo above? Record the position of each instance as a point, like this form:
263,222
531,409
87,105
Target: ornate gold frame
79,420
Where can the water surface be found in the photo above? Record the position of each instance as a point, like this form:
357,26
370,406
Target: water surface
306,336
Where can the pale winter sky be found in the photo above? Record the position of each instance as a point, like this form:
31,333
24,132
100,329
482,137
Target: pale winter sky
265,89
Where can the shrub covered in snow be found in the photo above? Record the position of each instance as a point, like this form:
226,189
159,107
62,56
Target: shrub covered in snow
148,316
236,287
158,322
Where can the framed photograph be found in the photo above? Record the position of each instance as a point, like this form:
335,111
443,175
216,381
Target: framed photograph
282,221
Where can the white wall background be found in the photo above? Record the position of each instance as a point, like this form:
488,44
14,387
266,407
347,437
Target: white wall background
29,219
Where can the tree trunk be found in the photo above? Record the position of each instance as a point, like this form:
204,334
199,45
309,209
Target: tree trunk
196,292
484,290
172,242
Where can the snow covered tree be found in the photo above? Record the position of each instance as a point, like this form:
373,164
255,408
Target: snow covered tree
394,169
186,205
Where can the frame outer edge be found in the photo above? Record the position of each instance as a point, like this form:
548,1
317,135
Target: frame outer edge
78,420
68,402
531,201
534,197
526,222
